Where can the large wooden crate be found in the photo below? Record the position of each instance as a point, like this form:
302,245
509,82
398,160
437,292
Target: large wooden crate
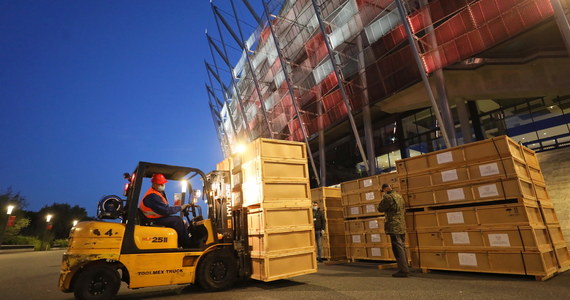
225,165
271,242
518,238
487,150
502,189
275,169
271,148
279,266
534,263
488,215
470,172
271,193
262,220
334,252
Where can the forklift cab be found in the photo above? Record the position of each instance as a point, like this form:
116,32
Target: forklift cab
149,235
101,254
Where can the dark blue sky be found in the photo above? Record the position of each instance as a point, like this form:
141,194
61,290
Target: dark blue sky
89,88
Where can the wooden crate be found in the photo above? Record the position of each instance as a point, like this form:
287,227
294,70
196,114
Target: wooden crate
354,226
368,183
351,199
334,253
388,178
362,210
357,252
272,148
325,192
275,193
337,240
335,227
375,224
380,252
487,150
275,169
271,242
377,238
349,187
281,266
489,215
461,175
501,189
225,165
548,213
263,220
518,238
355,239
504,262
562,256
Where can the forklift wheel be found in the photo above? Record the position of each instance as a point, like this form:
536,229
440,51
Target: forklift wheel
217,271
97,283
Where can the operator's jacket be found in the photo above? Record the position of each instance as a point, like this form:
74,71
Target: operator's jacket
154,205
319,219
393,206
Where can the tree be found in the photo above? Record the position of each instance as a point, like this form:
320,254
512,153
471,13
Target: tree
9,197
63,216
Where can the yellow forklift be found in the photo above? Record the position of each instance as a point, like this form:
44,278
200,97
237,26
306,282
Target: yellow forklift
101,254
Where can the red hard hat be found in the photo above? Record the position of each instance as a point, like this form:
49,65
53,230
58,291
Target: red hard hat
158,179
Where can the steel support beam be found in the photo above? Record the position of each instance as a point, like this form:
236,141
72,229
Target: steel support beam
210,74
561,17
242,108
415,53
291,92
341,85
254,77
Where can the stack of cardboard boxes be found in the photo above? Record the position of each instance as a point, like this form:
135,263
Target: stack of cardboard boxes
481,207
329,199
364,225
270,178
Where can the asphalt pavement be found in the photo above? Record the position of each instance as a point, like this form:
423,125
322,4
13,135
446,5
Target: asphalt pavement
34,275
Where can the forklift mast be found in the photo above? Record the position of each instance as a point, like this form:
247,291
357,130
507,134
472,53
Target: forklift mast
229,218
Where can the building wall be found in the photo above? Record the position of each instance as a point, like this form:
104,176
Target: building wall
555,166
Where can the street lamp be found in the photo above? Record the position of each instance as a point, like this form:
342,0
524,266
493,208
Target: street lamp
48,218
75,222
9,210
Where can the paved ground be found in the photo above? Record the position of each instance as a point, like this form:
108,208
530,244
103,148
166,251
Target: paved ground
34,275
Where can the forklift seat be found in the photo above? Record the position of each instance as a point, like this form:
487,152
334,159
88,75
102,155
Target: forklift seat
144,221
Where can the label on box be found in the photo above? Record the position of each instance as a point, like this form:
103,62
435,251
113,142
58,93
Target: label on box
461,238
489,169
449,175
373,224
376,252
375,238
445,157
488,190
370,208
355,210
467,259
499,240
455,218
370,196
455,194
356,239
367,182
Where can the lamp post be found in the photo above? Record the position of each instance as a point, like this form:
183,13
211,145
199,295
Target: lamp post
9,210
75,222
44,244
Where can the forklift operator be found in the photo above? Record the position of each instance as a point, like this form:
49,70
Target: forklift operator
154,206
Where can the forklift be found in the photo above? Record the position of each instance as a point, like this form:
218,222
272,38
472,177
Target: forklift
101,254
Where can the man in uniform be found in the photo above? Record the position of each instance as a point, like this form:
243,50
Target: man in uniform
320,224
393,206
154,206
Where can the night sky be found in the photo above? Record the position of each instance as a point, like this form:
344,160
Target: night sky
89,88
